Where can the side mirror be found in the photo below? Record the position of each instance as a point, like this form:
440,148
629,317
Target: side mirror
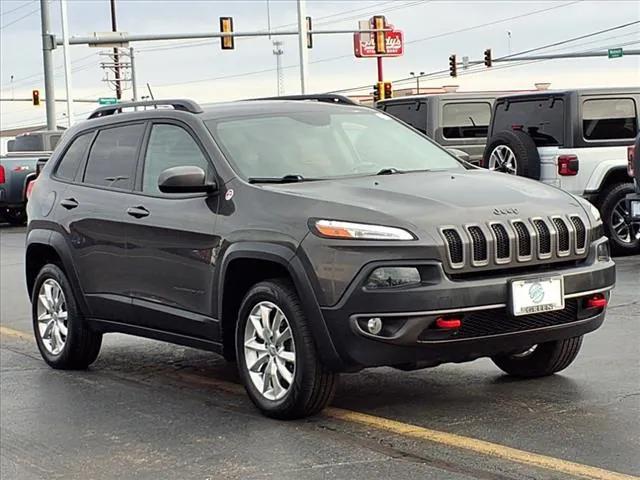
185,180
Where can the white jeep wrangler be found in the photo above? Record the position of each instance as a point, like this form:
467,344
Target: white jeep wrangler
576,140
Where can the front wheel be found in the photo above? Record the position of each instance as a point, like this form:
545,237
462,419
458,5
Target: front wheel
277,358
540,360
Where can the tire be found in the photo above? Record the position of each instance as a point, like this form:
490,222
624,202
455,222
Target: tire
521,146
311,385
613,210
15,216
541,360
80,345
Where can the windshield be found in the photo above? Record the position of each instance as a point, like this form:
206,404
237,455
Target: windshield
324,144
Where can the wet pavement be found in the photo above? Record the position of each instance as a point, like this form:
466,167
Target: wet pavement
152,410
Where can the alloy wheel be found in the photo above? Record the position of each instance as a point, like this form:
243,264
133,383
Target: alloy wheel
502,159
622,226
269,350
52,316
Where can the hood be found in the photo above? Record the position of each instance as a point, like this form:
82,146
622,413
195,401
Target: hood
432,199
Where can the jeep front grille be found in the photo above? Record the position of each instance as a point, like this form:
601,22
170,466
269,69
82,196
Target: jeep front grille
454,243
516,242
503,249
524,239
479,244
563,234
581,232
544,237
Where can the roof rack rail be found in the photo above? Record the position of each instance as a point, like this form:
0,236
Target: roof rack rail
319,97
183,105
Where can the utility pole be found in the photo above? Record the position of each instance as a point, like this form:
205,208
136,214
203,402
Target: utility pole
302,45
413,74
67,60
47,61
277,51
116,57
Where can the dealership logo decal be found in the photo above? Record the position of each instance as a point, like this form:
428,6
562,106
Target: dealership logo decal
536,293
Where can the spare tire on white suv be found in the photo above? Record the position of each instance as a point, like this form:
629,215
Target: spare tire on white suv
513,152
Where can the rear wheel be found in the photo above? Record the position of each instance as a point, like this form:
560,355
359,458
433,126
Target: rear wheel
63,338
619,227
540,360
277,357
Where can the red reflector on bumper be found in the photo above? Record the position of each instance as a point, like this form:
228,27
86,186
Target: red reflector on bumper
597,301
448,323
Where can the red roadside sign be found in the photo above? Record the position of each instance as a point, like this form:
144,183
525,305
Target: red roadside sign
364,46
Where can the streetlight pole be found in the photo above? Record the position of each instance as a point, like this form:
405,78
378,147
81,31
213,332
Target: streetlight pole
47,61
413,74
116,57
302,45
67,60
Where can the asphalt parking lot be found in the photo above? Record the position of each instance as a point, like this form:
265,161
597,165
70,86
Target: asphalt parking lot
152,410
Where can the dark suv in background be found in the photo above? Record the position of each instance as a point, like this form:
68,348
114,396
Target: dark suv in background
576,140
454,120
304,239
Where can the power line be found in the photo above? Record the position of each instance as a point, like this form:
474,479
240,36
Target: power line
8,12
20,18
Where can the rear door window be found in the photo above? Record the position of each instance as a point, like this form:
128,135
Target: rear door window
466,120
414,113
542,118
609,119
73,157
113,157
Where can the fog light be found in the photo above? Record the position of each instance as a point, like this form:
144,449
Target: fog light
374,325
603,252
386,277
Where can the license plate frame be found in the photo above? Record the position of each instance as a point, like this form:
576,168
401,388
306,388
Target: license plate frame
536,295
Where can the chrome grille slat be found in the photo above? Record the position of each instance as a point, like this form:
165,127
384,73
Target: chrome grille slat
502,242
563,236
454,244
581,233
544,237
478,244
523,239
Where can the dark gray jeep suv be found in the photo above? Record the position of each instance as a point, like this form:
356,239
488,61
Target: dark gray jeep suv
303,239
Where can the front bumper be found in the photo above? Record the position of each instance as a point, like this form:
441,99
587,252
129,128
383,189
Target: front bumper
409,314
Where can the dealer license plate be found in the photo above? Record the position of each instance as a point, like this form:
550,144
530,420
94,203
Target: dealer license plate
537,295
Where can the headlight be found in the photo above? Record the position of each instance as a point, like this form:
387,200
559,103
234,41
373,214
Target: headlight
386,277
359,231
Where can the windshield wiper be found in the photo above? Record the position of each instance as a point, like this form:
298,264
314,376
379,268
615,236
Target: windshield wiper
284,179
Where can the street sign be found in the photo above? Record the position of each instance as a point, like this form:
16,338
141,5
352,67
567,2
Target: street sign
364,47
615,53
107,100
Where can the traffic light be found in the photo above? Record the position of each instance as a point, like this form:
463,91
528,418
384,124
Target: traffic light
35,97
378,89
388,91
488,61
309,37
379,38
226,26
453,66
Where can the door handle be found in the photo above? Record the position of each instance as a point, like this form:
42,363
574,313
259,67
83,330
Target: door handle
138,212
69,203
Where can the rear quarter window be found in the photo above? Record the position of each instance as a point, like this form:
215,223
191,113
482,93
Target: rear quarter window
414,113
609,119
541,118
466,120
72,157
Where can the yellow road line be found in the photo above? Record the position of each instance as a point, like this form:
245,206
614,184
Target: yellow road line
420,433
10,332
477,446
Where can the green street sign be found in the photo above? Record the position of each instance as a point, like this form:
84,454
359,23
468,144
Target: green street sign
615,52
107,100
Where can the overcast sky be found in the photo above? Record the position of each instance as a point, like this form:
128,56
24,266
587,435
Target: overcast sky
201,70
